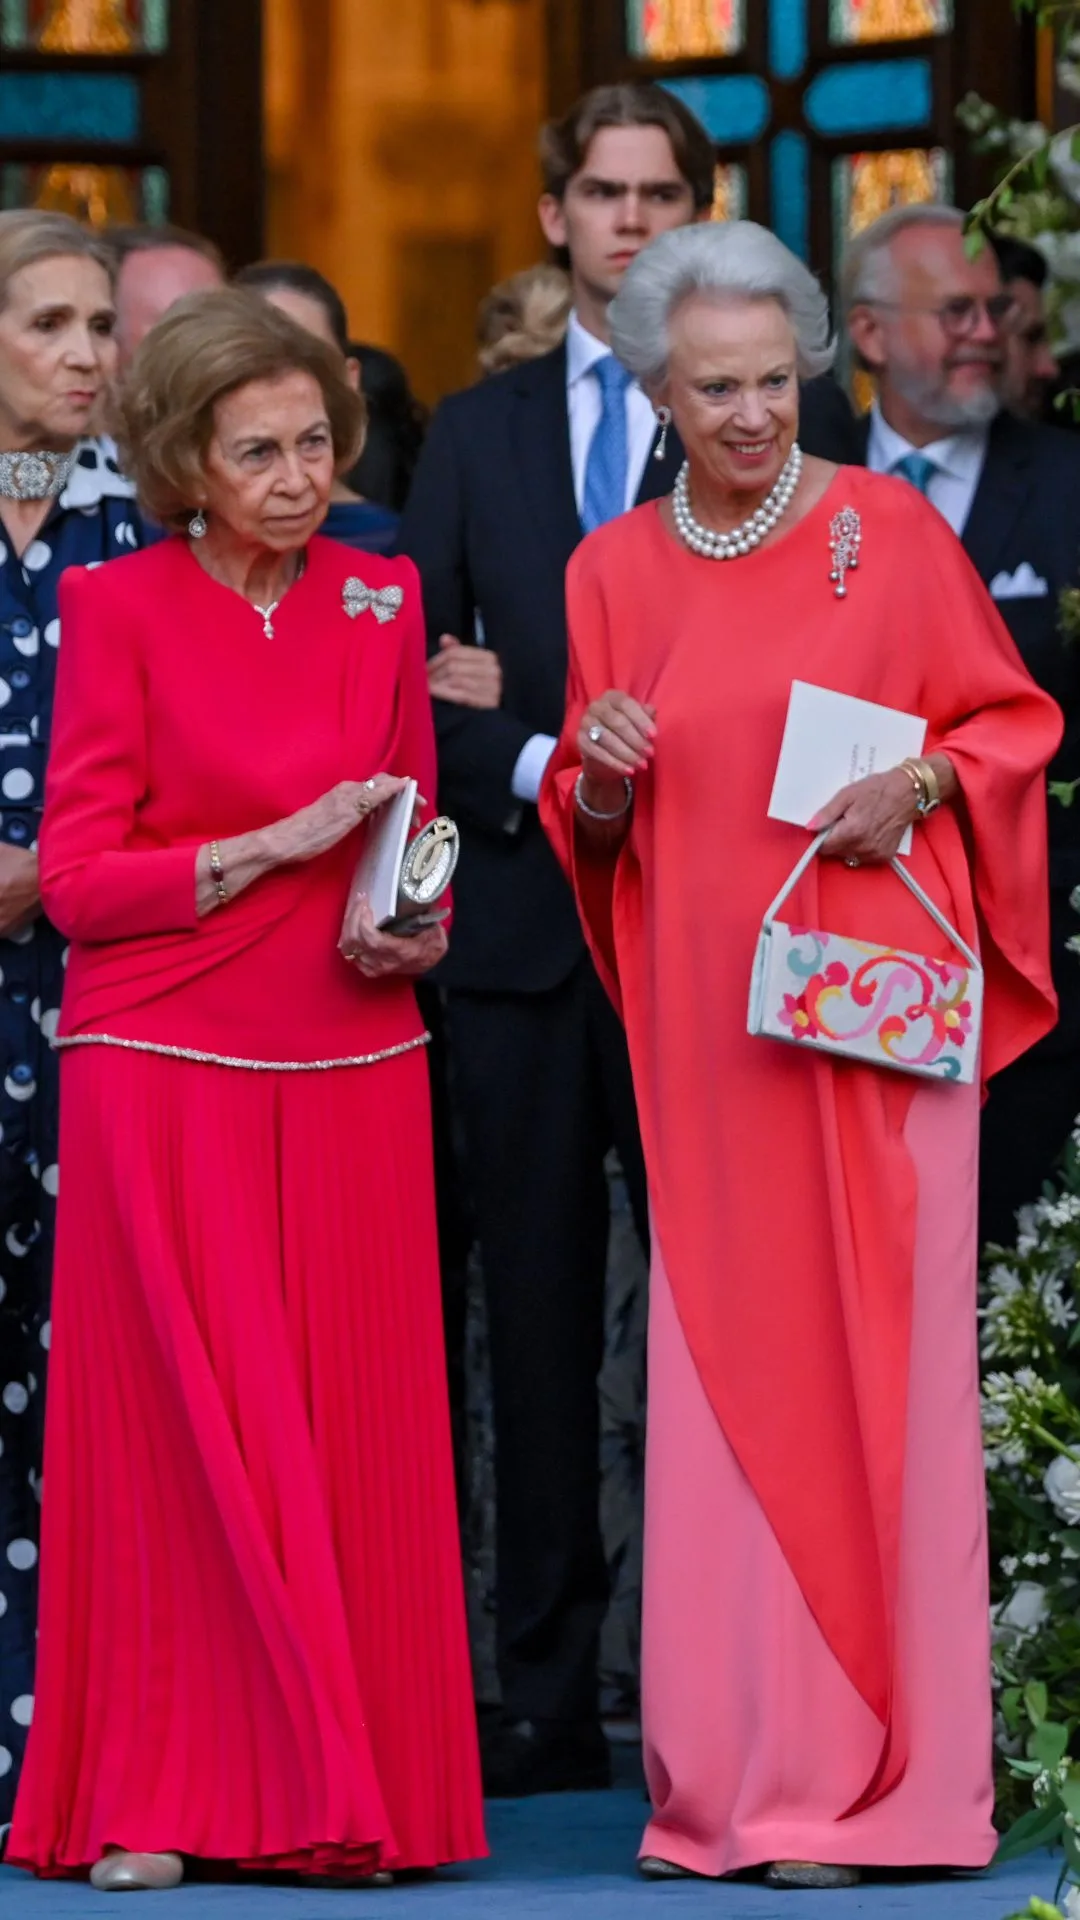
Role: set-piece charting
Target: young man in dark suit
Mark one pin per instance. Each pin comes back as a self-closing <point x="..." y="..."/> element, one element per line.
<point x="932" y="323"/>
<point x="513" y="473"/>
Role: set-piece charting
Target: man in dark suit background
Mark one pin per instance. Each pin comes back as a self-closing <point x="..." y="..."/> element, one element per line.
<point x="932" y="322"/>
<point x="512" y="474"/>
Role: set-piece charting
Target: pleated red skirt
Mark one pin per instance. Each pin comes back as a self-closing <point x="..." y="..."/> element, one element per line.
<point x="252" y="1643"/>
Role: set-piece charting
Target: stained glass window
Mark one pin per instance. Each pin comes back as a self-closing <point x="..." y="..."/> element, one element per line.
<point x="866" y="185"/>
<point x="101" y="195"/>
<point x="730" y="196"/>
<point x="685" y="29"/>
<point x="862" y="22"/>
<point x="816" y="147"/>
<point x="85" y="26"/>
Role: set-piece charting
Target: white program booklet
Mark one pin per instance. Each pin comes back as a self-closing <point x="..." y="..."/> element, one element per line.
<point x="379" y="872"/>
<point x="831" y="739"/>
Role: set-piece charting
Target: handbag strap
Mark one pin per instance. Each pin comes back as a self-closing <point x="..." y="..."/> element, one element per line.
<point x="908" y="879"/>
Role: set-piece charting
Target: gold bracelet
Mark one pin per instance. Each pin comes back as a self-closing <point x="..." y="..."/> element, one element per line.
<point x="217" y="873"/>
<point x="925" y="782"/>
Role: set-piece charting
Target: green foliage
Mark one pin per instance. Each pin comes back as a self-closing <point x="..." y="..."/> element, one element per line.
<point x="1030" y="1343"/>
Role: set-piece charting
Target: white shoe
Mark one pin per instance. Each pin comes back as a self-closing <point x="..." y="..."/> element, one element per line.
<point x="120" y="1872"/>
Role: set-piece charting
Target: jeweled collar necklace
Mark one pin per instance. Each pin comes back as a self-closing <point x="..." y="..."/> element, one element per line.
<point x="35" y="476"/>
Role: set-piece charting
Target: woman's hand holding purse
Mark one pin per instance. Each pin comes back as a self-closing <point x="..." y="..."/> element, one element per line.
<point x="378" y="954"/>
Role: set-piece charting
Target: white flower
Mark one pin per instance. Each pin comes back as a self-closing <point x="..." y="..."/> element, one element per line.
<point x="1066" y="169"/>
<point x="1061" y="1483"/>
<point x="1009" y="1565"/>
<point x="1022" y="1613"/>
<point x="1059" y="1311"/>
<point x="1027" y="1236"/>
<point x="1068" y="66"/>
<point x="1071" y="1908"/>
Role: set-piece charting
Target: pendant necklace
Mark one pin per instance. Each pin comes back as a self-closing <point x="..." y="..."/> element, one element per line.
<point x="266" y="614"/>
<point x="742" y="539"/>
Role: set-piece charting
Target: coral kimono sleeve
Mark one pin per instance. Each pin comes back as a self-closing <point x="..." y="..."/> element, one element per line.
<point x="95" y="885"/>
<point x="591" y="869"/>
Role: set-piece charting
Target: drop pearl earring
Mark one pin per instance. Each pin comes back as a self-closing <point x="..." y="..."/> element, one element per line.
<point x="663" y="414"/>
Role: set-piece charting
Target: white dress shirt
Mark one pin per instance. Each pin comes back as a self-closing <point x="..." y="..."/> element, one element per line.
<point x="584" y="406"/>
<point x="959" y="460"/>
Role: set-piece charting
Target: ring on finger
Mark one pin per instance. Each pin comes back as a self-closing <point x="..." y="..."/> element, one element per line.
<point x="596" y="733"/>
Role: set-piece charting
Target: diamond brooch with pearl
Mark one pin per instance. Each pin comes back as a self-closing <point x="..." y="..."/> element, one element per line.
<point x="738" y="540"/>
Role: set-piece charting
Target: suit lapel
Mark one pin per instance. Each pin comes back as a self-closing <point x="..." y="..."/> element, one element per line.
<point x="1004" y="486"/>
<point x="540" y="439"/>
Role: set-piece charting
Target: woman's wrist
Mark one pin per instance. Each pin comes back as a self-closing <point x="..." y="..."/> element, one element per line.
<point x="945" y="772"/>
<point x="240" y="861"/>
<point x="603" y="799"/>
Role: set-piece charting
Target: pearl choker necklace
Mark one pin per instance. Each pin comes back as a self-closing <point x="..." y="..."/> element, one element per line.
<point x="35" y="476"/>
<point x="739" y="540"/>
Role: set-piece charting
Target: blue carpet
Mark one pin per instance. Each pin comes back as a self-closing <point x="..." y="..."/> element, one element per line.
<point x="566" y="1855"/>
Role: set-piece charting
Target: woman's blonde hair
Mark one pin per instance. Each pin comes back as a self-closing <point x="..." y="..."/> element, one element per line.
<point x="523" y="317"/>
<point x="207" y="346"/>
<point x="28" y="235"/>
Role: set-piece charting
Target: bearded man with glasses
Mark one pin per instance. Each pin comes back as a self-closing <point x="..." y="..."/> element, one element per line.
<point x="928" y="316"/>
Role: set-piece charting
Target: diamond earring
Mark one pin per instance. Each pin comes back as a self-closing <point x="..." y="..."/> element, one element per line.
<point x="663" y="414"/>
<point x="197" y="525"/>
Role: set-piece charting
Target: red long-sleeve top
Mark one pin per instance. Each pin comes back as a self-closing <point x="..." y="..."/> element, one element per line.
<point x="179" y="720"/>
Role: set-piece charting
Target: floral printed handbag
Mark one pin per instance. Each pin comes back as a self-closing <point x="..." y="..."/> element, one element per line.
<point x="861" y="1001"/>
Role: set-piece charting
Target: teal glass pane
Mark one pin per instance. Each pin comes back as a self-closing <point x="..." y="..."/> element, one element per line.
<point x="685" y="29"/>
<point x="789" y="162"/>
<point x="85" y="26"/>
<point x="789" y="38"/>
<point x="69" y="106"/>
<point x="102" y="195"/>
<point x="870" y="96"/>
<point x="734" y="108"/>
<point x="867" y="23"/>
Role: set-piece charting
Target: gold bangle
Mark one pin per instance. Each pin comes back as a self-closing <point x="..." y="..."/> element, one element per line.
<point x="925" y="781"/>
<point x="932" y="783"/>
<point x="217" y="873"/>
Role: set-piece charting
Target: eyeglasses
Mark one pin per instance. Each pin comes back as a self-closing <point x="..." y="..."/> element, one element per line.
<point x="960" y="316"/>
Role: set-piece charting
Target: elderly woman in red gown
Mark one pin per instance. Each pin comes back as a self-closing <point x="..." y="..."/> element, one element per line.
<point x="816" y="1691"/>
<point x="253" y="1641"/>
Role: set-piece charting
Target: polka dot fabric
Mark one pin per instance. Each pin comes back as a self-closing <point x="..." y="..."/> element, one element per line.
<point x="94" y="520"/>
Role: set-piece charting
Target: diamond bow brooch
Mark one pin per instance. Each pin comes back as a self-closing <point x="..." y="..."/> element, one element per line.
<point x="384" y="602"/>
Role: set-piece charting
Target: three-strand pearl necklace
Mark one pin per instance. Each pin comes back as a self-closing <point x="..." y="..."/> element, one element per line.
<point x="739" y="540"/>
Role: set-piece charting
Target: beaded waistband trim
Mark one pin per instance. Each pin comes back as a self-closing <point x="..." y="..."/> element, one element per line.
<point x="231" y="1060"/>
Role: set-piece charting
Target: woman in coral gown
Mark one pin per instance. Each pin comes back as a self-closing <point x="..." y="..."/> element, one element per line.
<point x="816" y="1682"/>
<point x="253" y="1641"/>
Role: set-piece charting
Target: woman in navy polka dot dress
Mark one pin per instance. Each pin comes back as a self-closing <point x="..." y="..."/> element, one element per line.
<point x="62" y="503"/>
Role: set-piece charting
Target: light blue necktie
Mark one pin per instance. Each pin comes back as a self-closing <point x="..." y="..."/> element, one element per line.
<point x="608" y="461"/>
<point x="918" y="469"/>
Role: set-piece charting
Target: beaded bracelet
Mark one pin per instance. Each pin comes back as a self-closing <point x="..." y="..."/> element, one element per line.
<point x="217" y="873"/>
